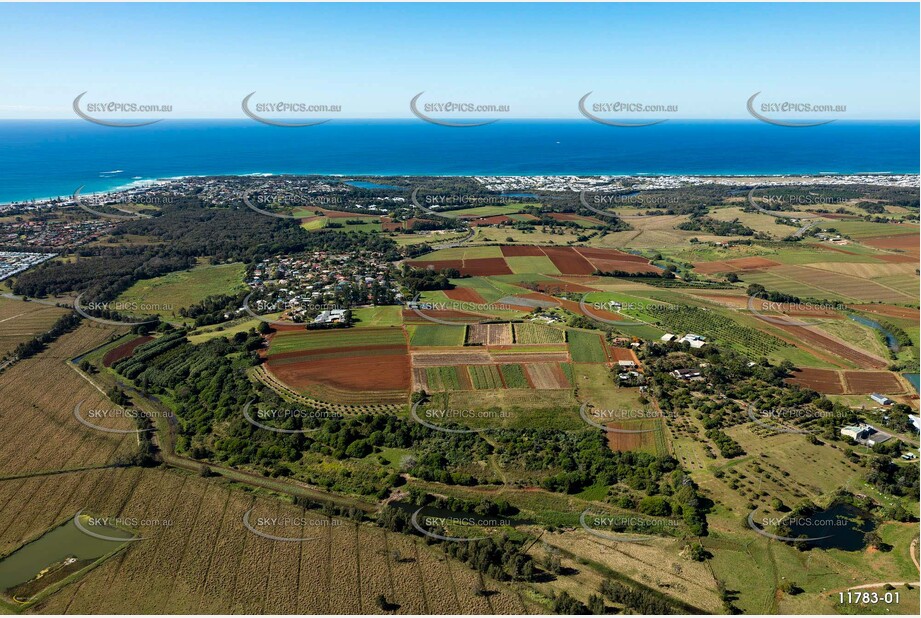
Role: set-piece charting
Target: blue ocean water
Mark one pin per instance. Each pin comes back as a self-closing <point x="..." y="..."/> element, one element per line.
<point x="54" y="157"/>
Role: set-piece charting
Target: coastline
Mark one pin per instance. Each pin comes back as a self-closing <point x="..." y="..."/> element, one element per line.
<point x="522" y="180"/>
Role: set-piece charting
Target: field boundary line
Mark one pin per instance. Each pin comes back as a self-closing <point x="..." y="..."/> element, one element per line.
<point x="27" y="475"/>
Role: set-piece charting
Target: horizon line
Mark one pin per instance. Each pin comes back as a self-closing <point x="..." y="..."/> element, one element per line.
<point x="416" y="120"/>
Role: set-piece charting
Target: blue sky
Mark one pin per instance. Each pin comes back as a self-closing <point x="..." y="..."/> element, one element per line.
<point x="539" y="59"/>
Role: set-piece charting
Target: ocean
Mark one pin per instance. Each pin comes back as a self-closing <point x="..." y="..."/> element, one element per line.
<point x="49" y="158"/>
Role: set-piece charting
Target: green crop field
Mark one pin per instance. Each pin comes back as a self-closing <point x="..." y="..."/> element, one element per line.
<point x="227" y="329"/>
<point x="167" y="294"/>
<point x="463" y="253"/>
<point x="291" y="341"/>
<point x="315" y="224"/>
<point x="634" y="308"/>
<point x="867" y="229"/>
<point x="514" y="376"/>
<point x="366" y="227"/>
<point x="385" y="315"/>
<point x="484" y="377"/>
<point x="529" y="333"/>
<point x="490" y="288"/>
<point x="568" y="372"/>
<point x="443" y="378"/>
<point x="586" y="347"/>
<point x="532" y="264"/>
<point x="436" y="335"/>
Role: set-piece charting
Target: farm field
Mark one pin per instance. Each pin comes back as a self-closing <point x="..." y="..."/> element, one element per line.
<point x="489" y="334"/>
<point x="167" y="294"/>
<point x="385" y="315"/>
<point x="343" y="365"/>
<point x="22" y="320"/>
<point x="523" y="352"/>
<point x="39" y="430"/>
<point x="436" y="335"/>
<point x="586" y="347"/>
<point x="524" y="259"/>
<point x="530" y="333"/>
<point x="197" y="556"/>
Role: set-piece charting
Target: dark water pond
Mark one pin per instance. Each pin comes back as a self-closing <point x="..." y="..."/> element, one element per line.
<point x="843" y="524"/>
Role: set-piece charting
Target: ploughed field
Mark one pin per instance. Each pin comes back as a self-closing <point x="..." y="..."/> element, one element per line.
<point x="517" y="259"/>
<point x="336" y="364"/>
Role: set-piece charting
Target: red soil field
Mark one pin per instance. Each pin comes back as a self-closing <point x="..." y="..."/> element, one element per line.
<point x="835" y="249"/>
<point x="542" y="297"/>
<point x="485" y="266"/>
<point x="569" y="261"/>
<point x="610" y="254"/>
<point x="889" y="310"/>
<point x="867" y="382"/>
<point x="281" y="328"/>
<point x="412" y="221"/>
<point x="555" y="286"/>
<point x="463" y="379"/>
<point x="625" y="441"/>
<point x="825" y="381"/>
<point x="897" y="259"/>
<point x="627" y="267"/>
<point x="722" y="266"/>
<point x="449" y="315"/>
<point x="573" y="306"/>
<point x="521" y="250"/>
<point x="355" y="373"/>
<point x="466" y="295"/>
<point x="905" y="242"/>
<point x="619" y="354"/>
<point x="546" y="376"/>
<point x="836" y="215"/>
<point x="864" y="361"/>
<point x="437" y="264"/>
<point x="371" y="350"/>
<point x="123" y="351"/>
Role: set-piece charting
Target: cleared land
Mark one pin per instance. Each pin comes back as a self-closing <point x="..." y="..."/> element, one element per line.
<point x="489" y="334"/>
<point x="167" y="294"/>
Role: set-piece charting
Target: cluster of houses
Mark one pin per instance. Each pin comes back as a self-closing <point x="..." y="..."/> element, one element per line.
<point x="15" y="262"/>
<point x="321" y="285"/>
<point x="652" y="183"/>
<point x="52" y="234"/>
<point x="695" y="341"/>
